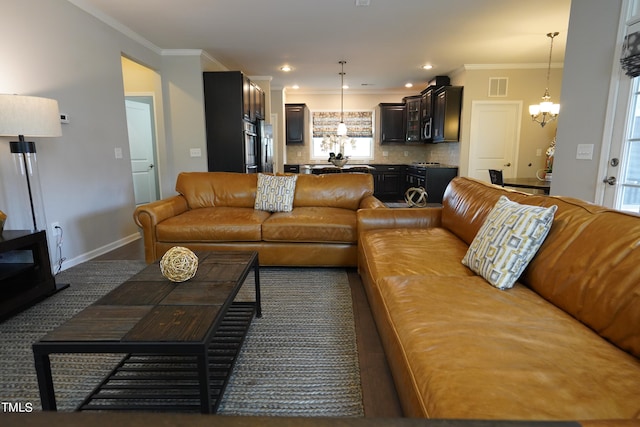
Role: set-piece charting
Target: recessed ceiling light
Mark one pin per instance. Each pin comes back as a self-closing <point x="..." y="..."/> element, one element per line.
<point x="427" y="67"/>
<point x="295" y="87"/>
<point x="345" y="86"/>
<point x="408" y="85"/>
<point x="285" y="68"/>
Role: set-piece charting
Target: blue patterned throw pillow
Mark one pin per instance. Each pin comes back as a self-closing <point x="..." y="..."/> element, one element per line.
<point x="507" y="241"/>
<point x="275" y="193"/>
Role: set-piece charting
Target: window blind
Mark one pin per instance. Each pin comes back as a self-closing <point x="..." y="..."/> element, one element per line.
<point x="359" y="123"/>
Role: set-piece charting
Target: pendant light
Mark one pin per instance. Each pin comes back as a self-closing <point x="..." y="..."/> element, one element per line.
<point x="342" y="128"/>
<point x="546" y="111"/>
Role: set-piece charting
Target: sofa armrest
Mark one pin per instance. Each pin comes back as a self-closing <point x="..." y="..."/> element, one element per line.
<point x="371" y="219"/>
<point x="150" y="215"/>
<point x="371" y="202"/>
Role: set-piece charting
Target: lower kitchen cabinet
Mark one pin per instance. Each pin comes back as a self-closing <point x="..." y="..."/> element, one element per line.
<point x="388" y="181"/>
<point x="432" y="179"/>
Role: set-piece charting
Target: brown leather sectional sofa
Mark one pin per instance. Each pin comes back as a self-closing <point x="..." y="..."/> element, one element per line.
<point x="215" y="210"/>
<point x="562" y="344"/>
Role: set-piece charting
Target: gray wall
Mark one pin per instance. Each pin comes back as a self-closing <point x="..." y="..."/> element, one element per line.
<point x="591" y="44"/>
<point x="64" y="53"/>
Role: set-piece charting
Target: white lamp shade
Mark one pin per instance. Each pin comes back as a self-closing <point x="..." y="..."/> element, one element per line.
<point x="555" y="109"/>
<point x="534" y="109"/>
<point x="342" y="129"/>
<point x="29" y="116"/>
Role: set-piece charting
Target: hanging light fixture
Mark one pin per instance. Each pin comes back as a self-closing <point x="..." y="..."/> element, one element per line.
<point x="546" y="111"/>
<point x="342" y="128"/>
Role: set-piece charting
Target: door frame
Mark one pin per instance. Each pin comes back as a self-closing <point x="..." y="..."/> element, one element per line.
<point x="143" y="97"/>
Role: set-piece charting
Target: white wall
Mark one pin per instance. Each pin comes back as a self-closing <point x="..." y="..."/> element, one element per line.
<point x="591" y="45"/>
<point x="64" y="53"/>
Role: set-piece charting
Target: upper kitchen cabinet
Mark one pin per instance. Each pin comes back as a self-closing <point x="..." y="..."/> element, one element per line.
<point x="413" y="116"/>
<point x="257" y="106"/>
<point x="392" y="123"/>
<point x="295" y="119"/>
<point x="447" y="103"/>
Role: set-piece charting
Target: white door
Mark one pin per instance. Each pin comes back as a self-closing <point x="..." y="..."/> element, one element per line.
<point x="494" y="138"/>
<point x="621" y="177"/>
<point x="141" y="128"/>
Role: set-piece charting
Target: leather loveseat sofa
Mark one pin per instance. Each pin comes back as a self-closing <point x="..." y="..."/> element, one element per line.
<point x="216" y="210"/>
<point x="562" y="344"/>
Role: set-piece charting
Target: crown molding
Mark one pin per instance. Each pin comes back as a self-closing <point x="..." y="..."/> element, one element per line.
<point x="116" y="25"/>
<point x="262" y="78"/>
<point x="524" y="66"/>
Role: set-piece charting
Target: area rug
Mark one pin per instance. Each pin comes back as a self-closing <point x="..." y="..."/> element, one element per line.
<point x="299" y="359"/>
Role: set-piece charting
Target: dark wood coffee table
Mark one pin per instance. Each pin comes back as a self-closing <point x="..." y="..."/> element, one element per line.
<point x="180" y="340"/>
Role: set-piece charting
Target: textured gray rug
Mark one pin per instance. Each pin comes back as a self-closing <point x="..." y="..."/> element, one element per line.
<point x="300" y="358"/>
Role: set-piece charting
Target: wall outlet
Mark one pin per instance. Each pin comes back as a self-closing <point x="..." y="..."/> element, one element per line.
<point x="55" y="229"/>
<point x="117" y="152"/>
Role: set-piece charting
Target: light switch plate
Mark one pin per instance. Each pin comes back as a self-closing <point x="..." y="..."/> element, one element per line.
<point x="584" y="152"/>
<point x="195" y="152"/>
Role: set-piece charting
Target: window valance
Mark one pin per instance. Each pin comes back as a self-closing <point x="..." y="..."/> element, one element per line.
<point x="630" y="59"/>
<point x="359" y="123"/>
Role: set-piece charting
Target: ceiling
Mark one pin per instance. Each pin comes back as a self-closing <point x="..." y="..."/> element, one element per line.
<point x="384" y="44"/>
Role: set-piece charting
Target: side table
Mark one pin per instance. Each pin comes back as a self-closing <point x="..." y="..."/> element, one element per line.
<point x="25" y="271"/>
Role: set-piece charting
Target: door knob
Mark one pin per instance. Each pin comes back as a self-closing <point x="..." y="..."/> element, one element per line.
<point x="508" y="164"/>
<point x="151" y="166"/>
<point x="611" y="180"/>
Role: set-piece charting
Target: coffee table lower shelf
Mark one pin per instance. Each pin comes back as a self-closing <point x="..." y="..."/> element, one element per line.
<point x="167" y="383"/>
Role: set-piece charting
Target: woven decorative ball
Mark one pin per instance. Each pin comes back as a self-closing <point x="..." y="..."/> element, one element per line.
<point x="179" y="264"/>
<point x="416" y="196"/>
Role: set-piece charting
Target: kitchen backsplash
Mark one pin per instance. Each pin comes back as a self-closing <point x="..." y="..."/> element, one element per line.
<point x="446" y="153"/>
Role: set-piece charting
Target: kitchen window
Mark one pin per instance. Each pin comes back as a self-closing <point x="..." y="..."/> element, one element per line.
<point x="358" y="144"/>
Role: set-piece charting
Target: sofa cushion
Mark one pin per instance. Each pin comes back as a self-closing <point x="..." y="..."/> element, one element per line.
<point x="473" y="351"/>
<point x="213" y="224"/>
<point x="275" y="193"/>
<point x="509" y="238"/>
<point x="425" y="251"/>
<point x="208" y="189"/>
<point x="333" y="190"/>
<point x="311" y="224"/>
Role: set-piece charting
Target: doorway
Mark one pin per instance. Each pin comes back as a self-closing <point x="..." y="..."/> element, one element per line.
<point x="142" y="147"/>
<point x="494" y="138"/>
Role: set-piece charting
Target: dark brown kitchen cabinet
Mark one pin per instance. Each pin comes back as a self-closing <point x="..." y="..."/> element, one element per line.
<point x="295" y="117"/>
<point x="446" y="114"/>
<point x="230" y="134"/>
<point x="257" y="102"/>
<point x="434" y="179"/>
<point x="392" y="123"/>
<point x="426" y="114"/>
<point x="413" y="116"/>
<point x="388" y="181"/>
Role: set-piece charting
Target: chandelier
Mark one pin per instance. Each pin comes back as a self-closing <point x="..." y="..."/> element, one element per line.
<point x="546" y="111"/>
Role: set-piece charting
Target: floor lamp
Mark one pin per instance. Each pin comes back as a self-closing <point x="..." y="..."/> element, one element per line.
<point x="32" y="117"/>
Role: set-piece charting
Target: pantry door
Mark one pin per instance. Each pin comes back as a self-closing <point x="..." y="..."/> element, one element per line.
<point x="494" y="138"/>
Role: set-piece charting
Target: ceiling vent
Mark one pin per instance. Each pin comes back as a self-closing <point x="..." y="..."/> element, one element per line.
<point x="363" y="2"/>
<point x="498" y="87"/>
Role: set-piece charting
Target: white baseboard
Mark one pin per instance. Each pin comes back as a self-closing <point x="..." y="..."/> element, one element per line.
<point x="99" y="251"/>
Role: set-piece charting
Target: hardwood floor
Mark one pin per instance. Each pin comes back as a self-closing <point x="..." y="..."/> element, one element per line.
<point x="378" y="391"/>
